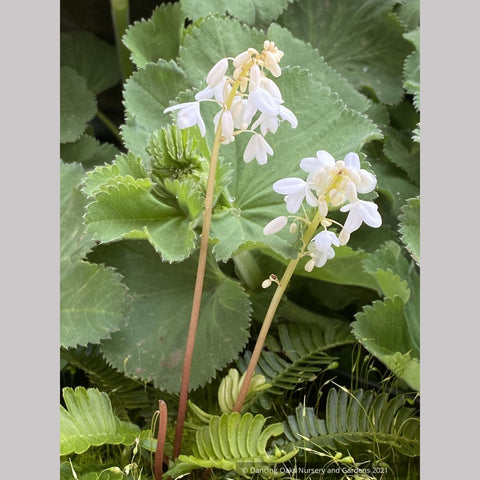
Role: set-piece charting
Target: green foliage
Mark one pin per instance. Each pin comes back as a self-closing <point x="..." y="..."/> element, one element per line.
<point x="93" y="59"/>
<point x="359" y="417"/>
<point x="93" y="300"/>
<point x="88" y="421"/>
<point x="88" y="151"/>
<point x="411" y="69"/>
<point x="233" y="442"/>
<point x="151" y="345"/>
<point x="303" y="352"/>
<point x="362" y="41"/>
<point x="410" y="227"/>
<point x="77" y="105"/>
<point x="155" y="38"/>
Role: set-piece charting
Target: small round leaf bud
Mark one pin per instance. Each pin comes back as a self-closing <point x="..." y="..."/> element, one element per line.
<point x="266" y="283"/>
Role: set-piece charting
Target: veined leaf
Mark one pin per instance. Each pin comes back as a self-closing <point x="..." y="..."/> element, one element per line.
<point x="409" y="13"/>
<point x="361" y="417"/>
<point x="125" y="208"/>
<point x="233" y="442"/>
<point x="152" y="345"/>
<point x="93" y="301"/>
<point x="411" y="68"/>
<point x="410" y="227"/>
<point x="95" y="60"/>
<point x="362" y="41"/>
<point x="158" y="37"/>
<point x="253" y="12"/>
<point x="78" y="105"/>
<point x="89" y="421"/>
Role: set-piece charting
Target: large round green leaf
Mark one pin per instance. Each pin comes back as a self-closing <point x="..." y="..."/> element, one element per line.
<point x="152" y="345"/>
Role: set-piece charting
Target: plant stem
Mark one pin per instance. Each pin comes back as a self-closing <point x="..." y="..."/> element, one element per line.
<point x="197" y="294"/>
<point x="202" y="262"/>
<point x="109" y="124"/>
<point x="121" y="20"/>
<point x="162" y="432"/>
<point x="272" y="308"/>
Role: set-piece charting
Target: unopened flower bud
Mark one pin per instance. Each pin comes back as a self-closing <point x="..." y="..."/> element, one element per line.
<point x="215" y="75"/>
<point x="322" y="207"/>
<point x="266" y="283"/>
<point x="293" y="228"/>
<point x="275" y="225"/>
<point x="344" y="237"/>
<point x="309" y="265"/>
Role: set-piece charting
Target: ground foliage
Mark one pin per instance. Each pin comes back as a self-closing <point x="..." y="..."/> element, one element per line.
<point x="341" y="362"/>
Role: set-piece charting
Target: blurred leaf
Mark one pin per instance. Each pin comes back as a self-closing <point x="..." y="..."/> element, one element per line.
<point x="409" y="13"/>
<point x="77" y="105"/>
<point x="361" y="40"/>
<point x="93" y="59"/>
<point x="88" y="151"/>
<point x="411" y="69"/>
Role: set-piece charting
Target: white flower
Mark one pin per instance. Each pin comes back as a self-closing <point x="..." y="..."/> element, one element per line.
<point x="295" y="190"/>
<point x="258" y="148"/>
<point x="320" y="249"/>
<point x="361" y="211"/>
<point x="220" y="91"/>
<point x="227" y="124"/>
<point x="269" y="123"/>
<point x="275" y="225"/>
<point x="188" y="115"/>
<point x="366" y="182"/>
<point x="315" y="164"/>
<point x="261" y="99"/>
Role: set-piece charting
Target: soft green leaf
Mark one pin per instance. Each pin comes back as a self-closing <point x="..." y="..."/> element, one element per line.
<point x="88" y="151"/>
<point x="399" y="148"/>
<point x="95" y="60"/>
<point x="150" y="90"/>
<point x="411" y="77"/>
<point x="93" y="301"/>
<point x="361" y="40"/>
<point x="152" y="345"/>
<point x="70" y="177"/>
<point x="77" y="105"/>
<point x="158" y="37"/>
<point x="410" y="227"/>
<point x="382" y="329"/>
<point x="409" y="13"/>
<point x="299" y="53"/>
<point x="88" y="420"/>
<point x="125" y="208"/>
<point x="253" y="12"/>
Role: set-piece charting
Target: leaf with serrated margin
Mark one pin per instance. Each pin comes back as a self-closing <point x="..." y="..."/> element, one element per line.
<point x="158" y="37"/>
<point x="410" y="227"/>
<point x="78" y="105"/>
<point x="399" y="148"/>
<point x="150" y="90"/>
<point x="411" y="69"/>
<point x="92" y="58"/>
<point x="93" y="301"/>
<point x="382" y="330"/>
<point x="125" y="164"/>
<point x="299" y="53"/>
<point x="361" y="40"/>
<point x="88" y="151"/>
<point x="152" y="345"/>
<point x="253" y="12"/>
<point x="125" y="208"/>
<point x="89" y="421"/>
<point x="409" y="13"/>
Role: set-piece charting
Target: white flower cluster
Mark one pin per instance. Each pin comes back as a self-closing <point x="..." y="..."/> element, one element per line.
<point x="329" y="183"/>
<point x="239" y="107"/>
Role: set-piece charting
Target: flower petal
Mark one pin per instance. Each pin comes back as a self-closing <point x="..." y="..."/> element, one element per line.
<point x="352" y="161"/>
<point x="289" y="185"/>
<point x="275" y="225"/>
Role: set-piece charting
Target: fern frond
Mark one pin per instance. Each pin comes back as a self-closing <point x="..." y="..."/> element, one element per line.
<point x="363" y="417"/>
<point x="305" y="351"/>
<point x="233" y="442"/>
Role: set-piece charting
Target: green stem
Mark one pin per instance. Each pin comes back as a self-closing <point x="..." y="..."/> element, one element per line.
<point x="121" y="20"/>
<point x="109" y="124"/>
<point x="282" y="285"/>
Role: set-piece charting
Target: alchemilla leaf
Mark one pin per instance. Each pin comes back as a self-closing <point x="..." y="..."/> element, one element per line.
<point x="78" y="105"/>
<point x="152" y="345"/>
